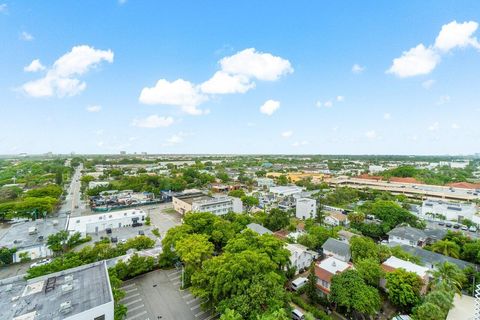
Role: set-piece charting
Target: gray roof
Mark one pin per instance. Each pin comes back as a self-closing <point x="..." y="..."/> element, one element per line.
<point x="258" y="228"/>
<point x="407" y="232"/>
<point x="44" y="295"/>
<point x="337" y="247"/>
<point x="430" y="258"/>
<point x="435" y="234"/>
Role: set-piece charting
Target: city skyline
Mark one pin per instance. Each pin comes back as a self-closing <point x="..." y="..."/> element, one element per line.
<point x="310" y="78"/>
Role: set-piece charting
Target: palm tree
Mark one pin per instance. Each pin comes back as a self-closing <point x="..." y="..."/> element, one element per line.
<point x="447" y="275"/>
<point x="447" y="248"/>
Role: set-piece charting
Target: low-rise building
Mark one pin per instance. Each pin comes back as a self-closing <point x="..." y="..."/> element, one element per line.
<point x="199" y="202"/>
<point x="265" y="182"/>
<point x="300" y="256"/>
<point x="326" y="269"/>
<point x="285" y="191"/>
<point x="100" y="222"/>
<point x="73" y="294"/>
<point x="337" y="249"/>
<point x="95" y="184"/>
<point x="258" y="228"/>
<point x="450" y="210"/>
<point x="305" y="208"/>
<point x="393" y="263"/>
<point x="407" y="235"/>
<point x="336" y="219"/>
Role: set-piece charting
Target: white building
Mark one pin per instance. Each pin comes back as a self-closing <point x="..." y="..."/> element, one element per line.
<point x="393" y="263"/>
<point x="374" y="169"/>
<point x="198" y="202"/>
<point x="73" y="294"/>
<point x="305" y="208"/>
<point x="99" y="222"/>
<point x="265" y="182"/>
<point x="300" y="256"/>
<point x="285" y="191"/>
<point x="94" y="184"/>
<point x="451" y="210"/>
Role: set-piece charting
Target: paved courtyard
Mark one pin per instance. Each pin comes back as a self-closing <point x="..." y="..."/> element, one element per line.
<point x="157" y="295"/>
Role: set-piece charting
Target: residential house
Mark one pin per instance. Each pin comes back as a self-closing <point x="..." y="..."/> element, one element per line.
<point x="337" y="249"/>
<point x="336" y="219"/>
<point x="300" y="256"/>
<point x="258" y="228"/>
<point x="305" y="208"/>
<point x="414" y="237"/>
<point x="345" y="235"/>
<point x="326" y="269"/>
<point x="393" y="263"/>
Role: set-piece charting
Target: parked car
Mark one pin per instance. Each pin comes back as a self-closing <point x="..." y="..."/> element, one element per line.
<point x="137" y="224"/>
<point x="108" y="230"/>
<point x="456" y="226"/>
<point x="123" y="241"/>
<point x="141" y="232"/>
<point x="114" y="239"/>
<point x="297" y="315"/>
<point x="441" y="223"/>
<point x="298" y="283"/>
<point x="40" y="263"/>
<point x="464" y="228"/>
<point x="472" y="229"/>
<point x="448" y="225"/>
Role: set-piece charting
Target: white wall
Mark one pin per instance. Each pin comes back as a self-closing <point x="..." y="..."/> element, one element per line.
<point x="305" y="208"/>
<point x="104" y="309"/>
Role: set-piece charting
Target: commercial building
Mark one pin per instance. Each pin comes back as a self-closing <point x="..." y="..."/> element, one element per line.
<point x="95" y="184"/>
<point x="326" y="269"/>
<point x="100" y="222"/>
<point x="305" y="208"/>
<point x="285" y="191"/>
<point x="75" y="294"/>
<point x="300" y="256"/>
<point x="265" y="182"/>
<point x="450" y="210"/>
<point x="199" y="202"/>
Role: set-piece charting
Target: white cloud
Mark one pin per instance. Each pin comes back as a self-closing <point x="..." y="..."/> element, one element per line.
<point x="340" y="98"/>
<point x="287" y="134"/>
<point x="416" y="61"/>
<point x="456" y="34"/>
<point x="269" y="107"/>
<point x="94" y="108"/>
<point x="434" y="126"/>
<point x="328" y="104"/>
<point x="443" y="99"/>
<point x="61" y="80"/>
<point x="180" y="93"/>
<point x="153" y="121"/>
<point x="3" y="7"/>
<point x="387" y="116"/>
<point x="175" y="139"/>
<point x="455" y="126"/>
<point x="371" y="134"/>
<point x="356" y="68"/>
<point x="251" y="63"/>
<point x="318" y="104"/>
<point x="25" y="36"/>
<point x="222" y="83"/>
<point x="300" y="143"/>
<point x="34" y="66"/>
<point x="428" y="83"/>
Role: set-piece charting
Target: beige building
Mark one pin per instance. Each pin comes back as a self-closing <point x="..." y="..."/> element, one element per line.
<point x="200" y="202"/>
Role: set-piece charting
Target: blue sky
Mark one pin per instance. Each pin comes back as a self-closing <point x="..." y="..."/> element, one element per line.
<point x="336" y="77"/>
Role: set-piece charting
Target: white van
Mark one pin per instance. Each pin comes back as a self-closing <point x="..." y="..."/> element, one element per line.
<point x="298" y="283"/>
<point x="32" y="230"/>
<point x="297" y="315"/>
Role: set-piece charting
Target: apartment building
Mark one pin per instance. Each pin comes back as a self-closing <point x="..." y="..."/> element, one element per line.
<point x="305" y="208"/>
<point x="199" y="202"/>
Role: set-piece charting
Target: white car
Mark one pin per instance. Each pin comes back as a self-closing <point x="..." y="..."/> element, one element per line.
<point x="40" y="263"/>
<point x="472" y="229"/>
<point x="123" y="241"/>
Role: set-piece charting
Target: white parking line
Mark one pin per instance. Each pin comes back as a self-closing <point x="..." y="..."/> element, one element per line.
<point x="211" y="317"/>
<point x="132" y="302"/>
<point x="176" y="283"/>
<point x="130" y="296"/>
<point x="128" y="286"/>
<point x="192" y="301"/>
<point x="187" y="296"/>
<point x="199" y="314"/>
<point x="131" y="290"/>
<point x="135" y="308"/>
<point x="176" y="278"/>
<point x="196" y="307"/>
<point x="174" y="273"/>
<point x="137" y="315"/>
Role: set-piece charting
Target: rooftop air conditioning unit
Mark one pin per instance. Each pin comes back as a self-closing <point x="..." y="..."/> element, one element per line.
<point x="68" y="278"/>
<point x="66" y="307"/>
<point x="67" y="287"/>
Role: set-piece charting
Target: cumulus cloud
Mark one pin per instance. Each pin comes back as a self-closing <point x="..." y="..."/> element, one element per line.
<point x="223" y="83"/>
<point x="180" y="93"/>
<point x="25" y="36"/>
<point x="153" y="121"/>
<point x="434" y="126"/>
<point x="287" y="134"/>
<point x="3" y="8"/>
<point x="175" y="139"/>
<point x="269" y="107"/>
<point x="34" y="66"/>
<point x="454" y="34"/>
<point x="371" y="134"/>
<point x="94" y="108"/>
<point x="422" y="60"/>
<point x="356" y="68"/>
<point x="416" y="61"/>
<point x="251" y="63"/>
<point x="61" y="78"/>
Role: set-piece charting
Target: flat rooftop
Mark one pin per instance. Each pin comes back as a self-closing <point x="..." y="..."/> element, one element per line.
<point x="40" y="298"/>
<point x="80" y="223"/>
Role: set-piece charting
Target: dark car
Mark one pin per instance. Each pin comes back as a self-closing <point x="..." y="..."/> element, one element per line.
<point x="40" y="238"/>
<point x="108" y="230"/>
<point x="114" y="239"/>
<point x="141" y="232"/>
<point x="456" y="226"/>
<point x="441" y="223"/>
<point x="448" y="225"/>
<point x="137" y="224"/>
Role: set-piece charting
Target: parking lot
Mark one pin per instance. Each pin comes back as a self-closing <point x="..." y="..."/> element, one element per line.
<point x="157" y="295"/>
<point x="435" y="225"/>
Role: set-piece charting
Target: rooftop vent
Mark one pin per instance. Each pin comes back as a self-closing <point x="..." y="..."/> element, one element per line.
<point x="68" y="278"/>
<point x="66" y="307"/>
<point x="67" y="287"/>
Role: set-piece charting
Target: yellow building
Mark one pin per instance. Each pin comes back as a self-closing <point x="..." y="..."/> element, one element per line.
<point x="297" y="176"/>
